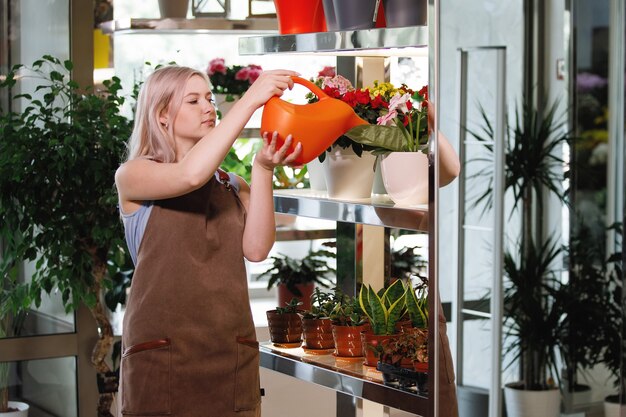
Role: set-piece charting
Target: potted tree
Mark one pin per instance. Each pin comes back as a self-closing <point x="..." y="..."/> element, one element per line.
<point x="57" y="201"/>
<point x="298" y="277"/>
<point x="12" y="312"/>
<point x="532" y="165"/>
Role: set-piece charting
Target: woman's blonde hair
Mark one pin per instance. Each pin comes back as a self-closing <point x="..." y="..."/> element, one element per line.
<point x="162" y="91"/>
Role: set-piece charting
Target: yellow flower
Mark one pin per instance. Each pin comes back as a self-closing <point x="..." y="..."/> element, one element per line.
<point x="387" y="90"/>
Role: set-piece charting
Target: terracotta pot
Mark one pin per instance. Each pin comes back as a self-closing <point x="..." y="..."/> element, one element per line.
<point x="420" y="366"/>
<point x="370" y="342"/>
<point x="302" y="16"/>
<point x="318" y="334"/>
<point x="284" y="328"/>
<point x="348" y="342"/>
<point x="285" y="296"/>
<point x="405" y="175"/>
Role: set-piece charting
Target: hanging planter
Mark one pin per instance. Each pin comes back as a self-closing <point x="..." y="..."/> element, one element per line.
<point x="400" y="13"/>
<point x="173" y="8"/>
<point x="302" y="16"/>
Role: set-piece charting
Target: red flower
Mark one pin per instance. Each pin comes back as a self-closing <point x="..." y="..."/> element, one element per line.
<point x="350" y="98"/>
<point x="424" y="92"/>
<point x="362" y="96"/>
<point x="332" y="92"/>
<point x="242" y="74"/>
<point x="327" y="71"/>
<point x="379" y="102"/>
<point x="216" y="65"/>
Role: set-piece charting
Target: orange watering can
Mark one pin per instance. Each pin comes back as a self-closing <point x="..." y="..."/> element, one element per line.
<point x="316" y="126"/>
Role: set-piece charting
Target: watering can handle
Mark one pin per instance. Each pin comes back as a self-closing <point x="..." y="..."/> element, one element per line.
<point x="311" y="86"/>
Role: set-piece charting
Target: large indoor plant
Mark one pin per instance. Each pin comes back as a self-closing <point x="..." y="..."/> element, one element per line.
<point x="296" y="278"/>
<point x="533" y="164"/>
<point x="58" y="204"/>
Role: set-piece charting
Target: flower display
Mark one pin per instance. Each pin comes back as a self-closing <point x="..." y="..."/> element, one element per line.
<point x="232" y="81"/>
<point x="398" y="117"/>
<point x="401" y="127"/>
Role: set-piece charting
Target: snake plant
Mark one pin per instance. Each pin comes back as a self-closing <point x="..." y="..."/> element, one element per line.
<point x="383" y="310"/>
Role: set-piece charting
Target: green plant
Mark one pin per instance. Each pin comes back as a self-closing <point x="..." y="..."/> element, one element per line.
<point x="232" y="81"/>
<point x="408" y="262"/>
<point x="532" y="165"/>
<point x="58" y="204"/>
<point x="403" y="127"/>
<point x="347" y="310"/>
<point x="411" y="345"/>
<point x="322" y="304"/>
<point x="291" y="307"/>
<point x="417" y="306"/>
<point x="533" y="312"/>
<point x="291" y="272"/>
<point x="383" y="310"/>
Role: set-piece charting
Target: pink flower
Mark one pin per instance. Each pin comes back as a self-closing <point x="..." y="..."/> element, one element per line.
<point x="340" y="83"/>
<point x="243" y="74"/>
<point x="399" y="102"/>
<point x="254" y="72"/>
<point x="327" y="71"/>
<point x="216" y="65"/>
<point x="387" y="119"/>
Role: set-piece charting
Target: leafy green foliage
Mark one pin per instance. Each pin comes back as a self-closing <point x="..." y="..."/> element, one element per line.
<point x="290" y="271"/>
<point x="322" y="305"/>
<point x="291" y="307"/>
<point x="385" y="309"/>
<point x="347" y="310"/>
<point x="58" y="203"/>
<point x="532" y="158"/>
<point x="533" y="311"/>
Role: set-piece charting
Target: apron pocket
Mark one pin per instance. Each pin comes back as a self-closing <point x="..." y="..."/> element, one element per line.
<point x="247" y="382"/>
<point x="146" y="379"/>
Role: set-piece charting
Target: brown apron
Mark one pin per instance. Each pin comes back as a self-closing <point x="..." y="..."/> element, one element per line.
<point x="190" y="347"/>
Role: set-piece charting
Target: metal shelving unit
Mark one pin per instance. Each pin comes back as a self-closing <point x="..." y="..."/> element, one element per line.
<point x="354" y="380"/>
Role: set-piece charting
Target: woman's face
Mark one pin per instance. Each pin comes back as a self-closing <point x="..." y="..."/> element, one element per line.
<point x="196" y="116"/>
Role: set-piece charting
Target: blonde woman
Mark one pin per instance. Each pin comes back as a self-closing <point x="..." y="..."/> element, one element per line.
<point x="189" y="344"/>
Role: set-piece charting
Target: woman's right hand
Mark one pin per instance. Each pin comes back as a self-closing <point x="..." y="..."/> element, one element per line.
<point x="269" y="84"/>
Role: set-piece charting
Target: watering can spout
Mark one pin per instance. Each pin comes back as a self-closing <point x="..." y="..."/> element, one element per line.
<point x="316" y="126"/>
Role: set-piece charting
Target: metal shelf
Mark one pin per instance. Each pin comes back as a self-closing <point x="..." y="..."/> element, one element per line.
<point x="378" y="210"/>
<point x="348" y="376"/>
<point x="199" y="25"/>
<point x="354" y="41"/>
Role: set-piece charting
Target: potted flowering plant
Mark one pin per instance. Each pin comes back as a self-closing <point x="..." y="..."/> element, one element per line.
<point x="402" y="125"/>
<point x="230" y="83"/>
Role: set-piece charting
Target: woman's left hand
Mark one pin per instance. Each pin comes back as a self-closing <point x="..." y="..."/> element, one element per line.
<point x="269" y="157"/>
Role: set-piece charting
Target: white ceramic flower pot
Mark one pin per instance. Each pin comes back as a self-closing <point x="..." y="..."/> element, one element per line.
<point x="22" y="410"/>
<point x="405" y="176"/>
<point x="315" y="168"/>
<point x="614" y="409"/>
<point x="349" y="176"/>
<point x="522" y="403"/>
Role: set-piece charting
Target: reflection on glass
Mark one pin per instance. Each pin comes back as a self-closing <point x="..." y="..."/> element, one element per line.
<point x="47" y="386"/>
